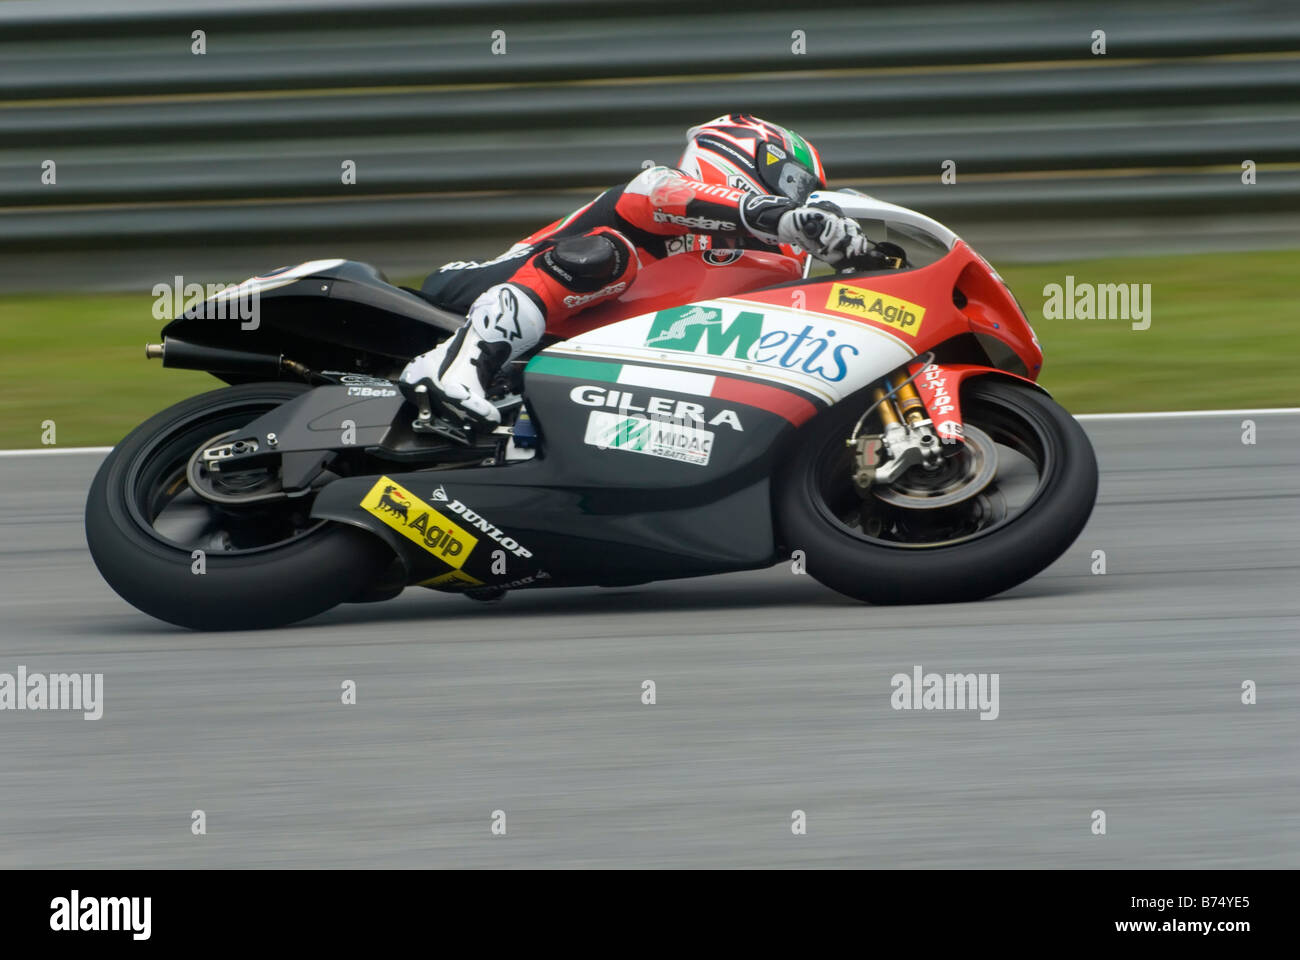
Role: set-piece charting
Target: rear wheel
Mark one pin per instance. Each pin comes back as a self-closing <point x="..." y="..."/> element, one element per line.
<point x="1008" y="503"/>
<point x="261" y="561"/>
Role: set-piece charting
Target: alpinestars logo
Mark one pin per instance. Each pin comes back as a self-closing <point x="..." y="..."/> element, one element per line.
<point x="578" y="299"/>
<point x="506" y="321"/>
<point x="700" y="223"/>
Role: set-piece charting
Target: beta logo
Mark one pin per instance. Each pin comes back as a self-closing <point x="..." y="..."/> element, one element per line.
<point x="900" y="314"/>
<point x="370" y="392"/>
<point x="417" y="521"/>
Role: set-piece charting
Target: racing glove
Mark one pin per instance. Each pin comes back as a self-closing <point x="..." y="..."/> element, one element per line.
<point x="823" y="230"/>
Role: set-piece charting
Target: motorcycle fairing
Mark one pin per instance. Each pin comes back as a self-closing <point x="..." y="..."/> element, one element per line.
<point x="309" y="311"/>
<point x="658" y="433"/>
<point x="588" y="509"/>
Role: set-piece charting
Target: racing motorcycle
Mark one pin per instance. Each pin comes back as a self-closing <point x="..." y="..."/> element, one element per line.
<point x="883" y="427"/>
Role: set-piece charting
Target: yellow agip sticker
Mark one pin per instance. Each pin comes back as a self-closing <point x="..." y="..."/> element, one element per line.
<point x="417" y="521"/>
<point x="881" y="307"/>
<point x="452" y="578"/>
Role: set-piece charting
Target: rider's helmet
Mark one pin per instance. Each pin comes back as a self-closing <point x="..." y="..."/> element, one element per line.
<point x="739" y="150"/>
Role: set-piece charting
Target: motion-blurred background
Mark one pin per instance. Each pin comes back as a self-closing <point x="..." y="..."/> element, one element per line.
<point x="471" y="124"/>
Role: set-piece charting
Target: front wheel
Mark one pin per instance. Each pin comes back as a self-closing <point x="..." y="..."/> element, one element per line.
<point x="1007" y="505"/>
<point x="235" y="559"/>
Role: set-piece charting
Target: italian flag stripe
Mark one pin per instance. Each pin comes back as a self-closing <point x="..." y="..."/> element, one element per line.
<point x="787" y="405"/>
<point x="801" y="151"/>
<point x="679" y="381"/>
<point x="577" y="369"/>
<point x="783" y="403"/>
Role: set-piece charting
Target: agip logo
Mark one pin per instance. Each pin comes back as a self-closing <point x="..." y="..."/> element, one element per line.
<point x="417" y="521"/>
<point x="900" y="314"/>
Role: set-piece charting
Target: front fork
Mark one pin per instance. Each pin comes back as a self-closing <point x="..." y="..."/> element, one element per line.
<point x="908" y="438"/>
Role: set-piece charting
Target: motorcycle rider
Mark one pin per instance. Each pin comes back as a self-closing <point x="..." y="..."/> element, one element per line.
<point x="741" y="182"/>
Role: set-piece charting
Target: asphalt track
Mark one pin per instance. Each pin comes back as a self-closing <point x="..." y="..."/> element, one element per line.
<point x="1118" y="692"/>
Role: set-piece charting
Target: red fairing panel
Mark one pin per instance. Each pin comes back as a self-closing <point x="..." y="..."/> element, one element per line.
<point x="940" y="388"/>
<point x="683" y="278"/>
<point x="917" y="306"/>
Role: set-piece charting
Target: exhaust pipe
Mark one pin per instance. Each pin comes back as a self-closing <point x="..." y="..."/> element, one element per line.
<point x="183" y="355"/>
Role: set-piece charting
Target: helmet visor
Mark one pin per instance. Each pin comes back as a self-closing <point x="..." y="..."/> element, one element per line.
<point x="788" y="178"/>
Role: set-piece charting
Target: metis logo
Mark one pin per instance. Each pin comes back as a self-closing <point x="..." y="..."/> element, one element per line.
<point x="695" y="328"/>
<point x="687" y="328"/>
<point x="417" y="521"/>
<point x="900" y="314"/>
<point x="76" y="913"/>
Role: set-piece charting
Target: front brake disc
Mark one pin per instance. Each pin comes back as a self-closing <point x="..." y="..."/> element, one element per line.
<point x="955" y="480"/>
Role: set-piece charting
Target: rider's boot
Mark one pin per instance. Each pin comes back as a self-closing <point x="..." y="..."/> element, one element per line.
<point x="505" y="322"/>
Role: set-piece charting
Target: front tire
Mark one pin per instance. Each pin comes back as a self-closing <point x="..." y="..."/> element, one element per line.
<point x="881" y="554"/>
<point x="261" y="566"/>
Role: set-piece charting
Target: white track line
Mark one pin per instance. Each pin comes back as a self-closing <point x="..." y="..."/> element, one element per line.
<point x="1170" y="414"/>
<point x="39" y="450"/>
<point x="1158" y="415"/>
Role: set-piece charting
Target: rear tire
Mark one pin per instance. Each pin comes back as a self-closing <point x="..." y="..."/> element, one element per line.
<point x="867" y="568"/>
<point x="266" y="585"/>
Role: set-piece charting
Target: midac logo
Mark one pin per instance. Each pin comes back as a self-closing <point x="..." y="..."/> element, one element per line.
<point x="683" y="328"/>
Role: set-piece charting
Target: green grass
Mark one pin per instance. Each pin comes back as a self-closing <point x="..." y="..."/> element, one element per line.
<point x="1224" y="331"/>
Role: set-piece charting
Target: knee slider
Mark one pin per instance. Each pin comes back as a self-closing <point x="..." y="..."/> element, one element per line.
<point x="585" y="264"/>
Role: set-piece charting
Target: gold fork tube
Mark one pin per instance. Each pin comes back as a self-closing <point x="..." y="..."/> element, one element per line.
<point x="909" y="401"/>
<point x="888" y="415"/>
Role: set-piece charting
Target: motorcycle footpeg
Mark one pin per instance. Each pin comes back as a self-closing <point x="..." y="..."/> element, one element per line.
<point x="437" y="426"/>
<point x="435" y="416"/>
